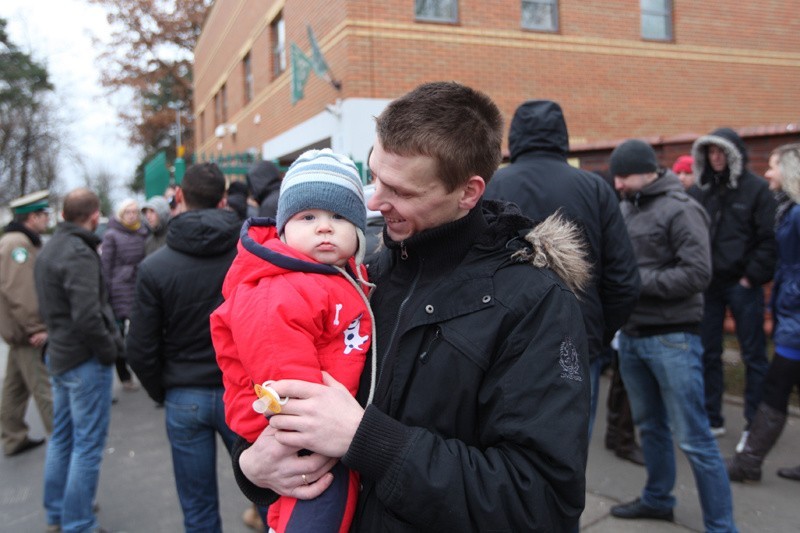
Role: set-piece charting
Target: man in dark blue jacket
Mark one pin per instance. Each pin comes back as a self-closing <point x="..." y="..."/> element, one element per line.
<point x="540" y="181"/>
<point x="169" y="342"/>
<point x="743" y="255"/>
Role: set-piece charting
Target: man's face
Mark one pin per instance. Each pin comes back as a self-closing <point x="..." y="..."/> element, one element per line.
<point x="717" y="158"/>
<point x="629" y="185"/>
<point x="37" y="221"/>
<point x="687" y="179"/>
<point x="773" y="174"/>
<point x="327" y="237"/>
<point x="151" y="216"/>
<point x="410" y="195"/>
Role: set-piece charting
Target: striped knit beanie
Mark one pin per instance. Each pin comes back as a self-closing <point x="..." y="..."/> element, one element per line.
<point x="321" y="179"/>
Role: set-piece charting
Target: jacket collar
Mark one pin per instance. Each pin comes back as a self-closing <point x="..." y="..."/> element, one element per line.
<point x="16" y="226"/>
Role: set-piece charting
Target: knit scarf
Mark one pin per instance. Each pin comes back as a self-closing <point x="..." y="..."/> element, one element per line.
<point x="133" y="227"/>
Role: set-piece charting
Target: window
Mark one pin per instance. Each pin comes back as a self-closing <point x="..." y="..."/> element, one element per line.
<point x="657" y="19"/>
<point x="248" y="79"/>
<point x="540" y="15"/>
<point x="436" y="10"/>
<point x="202" y="128"/>
<point x="218" y="109"/>
<point x="278" y="30"/>
<point x="221" y="106"/>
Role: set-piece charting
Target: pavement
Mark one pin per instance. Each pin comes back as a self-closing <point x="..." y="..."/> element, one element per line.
<point x="137" y="490"/>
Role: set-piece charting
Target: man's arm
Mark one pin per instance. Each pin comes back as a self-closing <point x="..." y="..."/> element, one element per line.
<point x="762" y="256"/>
<point x="144" y="343"/>
<point x="690" y="270"/>
<point x="18" y="287"/>
<point x="528" y="473"/>
<point x="81" y="280"/>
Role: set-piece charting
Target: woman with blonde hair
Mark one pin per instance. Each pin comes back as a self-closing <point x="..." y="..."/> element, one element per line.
<point x="784" y="370"/>
<point x="122" y="250"/>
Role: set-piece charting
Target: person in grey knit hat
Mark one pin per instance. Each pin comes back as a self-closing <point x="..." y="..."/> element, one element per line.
<point x="296" y="306"/>
<point x="156" y="213"/>
<point x="321" y="179"/>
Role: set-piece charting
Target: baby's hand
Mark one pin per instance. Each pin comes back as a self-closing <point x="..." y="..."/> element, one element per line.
<point x="268" y="402"/>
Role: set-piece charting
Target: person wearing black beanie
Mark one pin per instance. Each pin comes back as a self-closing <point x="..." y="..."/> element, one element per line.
<point x="659" y="347"/>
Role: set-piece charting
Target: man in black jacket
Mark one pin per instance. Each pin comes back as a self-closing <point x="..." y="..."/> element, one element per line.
<point x="540" y="181"/>
<point x="169" y="342"/>
<point x="481" y="399"/>
<point x="83" y="343"/>
<point x="743" y="255"/>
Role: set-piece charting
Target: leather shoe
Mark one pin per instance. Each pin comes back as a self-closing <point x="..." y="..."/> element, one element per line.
<point x="635" y="455"/>
<point x="27" y="444"/>
<point x="636" y="509"/>
<point x="790" y="473"/>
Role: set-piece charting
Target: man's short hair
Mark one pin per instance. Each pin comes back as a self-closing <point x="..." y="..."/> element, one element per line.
<point x="459" y="127"/>
<point x="203" y="186"/>
<point x="79" y="205"/>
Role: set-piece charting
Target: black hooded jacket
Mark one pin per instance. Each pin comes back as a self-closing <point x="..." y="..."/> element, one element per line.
<point x="540" y="181"/>
<point x="177" y="288"/>
<point x="742" y="211"/>
<point x="264" y="184"/>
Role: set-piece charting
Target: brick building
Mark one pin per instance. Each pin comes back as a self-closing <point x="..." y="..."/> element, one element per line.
<point x="664" y="70"/>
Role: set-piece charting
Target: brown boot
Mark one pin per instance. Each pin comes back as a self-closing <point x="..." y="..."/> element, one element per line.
<point x="764" y="431"/>
<point x="790" y="473"/>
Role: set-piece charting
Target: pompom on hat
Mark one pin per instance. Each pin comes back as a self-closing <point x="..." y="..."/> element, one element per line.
<point x="321" y="179"/>
<point x="634" y="156"/>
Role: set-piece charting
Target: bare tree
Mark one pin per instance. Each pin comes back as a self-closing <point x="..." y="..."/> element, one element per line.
<point x="151" y="50"/>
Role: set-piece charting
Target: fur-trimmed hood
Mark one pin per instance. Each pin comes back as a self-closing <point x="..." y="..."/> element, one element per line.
<point x="735" y="153"/>
<point x="555" y="242"/>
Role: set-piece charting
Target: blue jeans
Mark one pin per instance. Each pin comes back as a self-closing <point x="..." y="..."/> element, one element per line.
<point x="81" y="413"/>
<point x="664" y="378"/>
<point x="194" y="416"/>
<point x="747" y="307"/>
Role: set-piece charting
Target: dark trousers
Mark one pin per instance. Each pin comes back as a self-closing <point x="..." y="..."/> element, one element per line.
<point x="620" y="433"/>
<point x="747" y="307"/>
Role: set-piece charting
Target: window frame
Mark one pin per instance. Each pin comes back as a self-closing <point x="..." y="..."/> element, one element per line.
<point x="556" y="17"/>
<point x="667" y="15"/>
<point x="247" y="75"/>
<point x="445" y="20"/>
<point x="278" y="45"/>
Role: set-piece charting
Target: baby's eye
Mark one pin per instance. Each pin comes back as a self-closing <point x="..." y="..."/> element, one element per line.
<point x="308" y="216"/>
<point x="337" y="217"/>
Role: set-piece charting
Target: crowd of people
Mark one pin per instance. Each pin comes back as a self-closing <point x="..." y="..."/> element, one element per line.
<point x="451" y="382"/>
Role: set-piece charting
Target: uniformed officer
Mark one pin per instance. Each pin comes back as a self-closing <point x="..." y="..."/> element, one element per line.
<point x="21" y="326"/>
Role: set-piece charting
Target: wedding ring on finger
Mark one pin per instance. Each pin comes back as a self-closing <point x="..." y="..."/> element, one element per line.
<point x="305" y="479"/>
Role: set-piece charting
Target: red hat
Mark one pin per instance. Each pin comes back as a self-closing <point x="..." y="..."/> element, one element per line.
<point x="683" y="164"/>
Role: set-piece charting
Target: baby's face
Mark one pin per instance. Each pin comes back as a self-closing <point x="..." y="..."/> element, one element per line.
<point x="325" y="236"/>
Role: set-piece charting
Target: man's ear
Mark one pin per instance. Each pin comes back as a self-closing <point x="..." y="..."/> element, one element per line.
<point x="471" y="193"/>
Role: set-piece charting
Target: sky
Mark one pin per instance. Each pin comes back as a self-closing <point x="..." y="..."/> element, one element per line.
<point x="58" y="33"/>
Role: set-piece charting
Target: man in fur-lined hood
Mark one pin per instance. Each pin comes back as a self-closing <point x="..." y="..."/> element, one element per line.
<point x="481" y="406"/>
<point x="743" y="255"/>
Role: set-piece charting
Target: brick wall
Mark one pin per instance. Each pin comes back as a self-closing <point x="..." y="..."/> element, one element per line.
<point x="738" y="67"/>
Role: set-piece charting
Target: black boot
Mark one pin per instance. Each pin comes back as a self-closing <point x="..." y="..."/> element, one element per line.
<point x="790" y="473"/>
<point x="764" y="431"/>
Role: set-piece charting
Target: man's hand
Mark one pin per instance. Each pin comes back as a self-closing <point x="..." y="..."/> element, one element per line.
<point x="744" y="282"/>
<point x="38" y="339"/>
<point x="321" y="418"/>
<point x="271" y="465"/>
